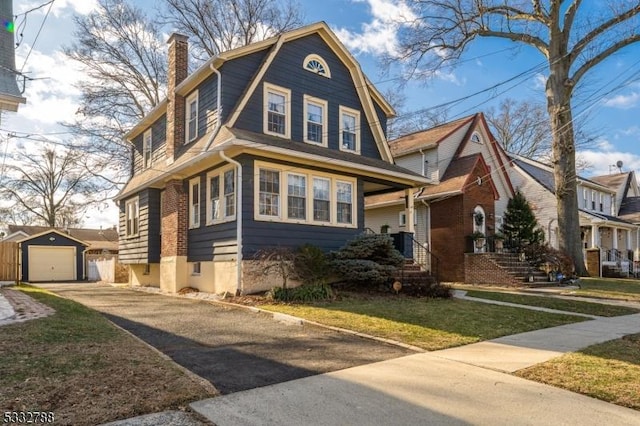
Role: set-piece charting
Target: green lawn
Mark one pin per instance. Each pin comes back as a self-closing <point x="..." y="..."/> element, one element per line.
<point x="430" y="324"/>
<point x="86" y="371"/>
<point x="609" y="288"/>
<point x="555" y="303"/>
<point x="609" y="371"/>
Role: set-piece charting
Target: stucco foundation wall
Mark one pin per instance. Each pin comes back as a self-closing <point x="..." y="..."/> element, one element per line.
<point x="255" y="280"/>
<point x="173" y="273"/>
<point x="137" y="277"/>
<point x="214" y="277"/>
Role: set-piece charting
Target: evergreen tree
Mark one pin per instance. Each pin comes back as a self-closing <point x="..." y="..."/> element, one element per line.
<point x="520" y="226"/>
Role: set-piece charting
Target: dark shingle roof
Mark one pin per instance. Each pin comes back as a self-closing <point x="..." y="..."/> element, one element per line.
<point x="95" y="238"/>
<point x="319" y="150"/>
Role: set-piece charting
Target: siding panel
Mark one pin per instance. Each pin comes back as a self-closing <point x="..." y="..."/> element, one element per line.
<point x="287" y="71"/>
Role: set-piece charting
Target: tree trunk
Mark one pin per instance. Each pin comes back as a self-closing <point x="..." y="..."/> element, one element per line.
<point x="558" y="92"/>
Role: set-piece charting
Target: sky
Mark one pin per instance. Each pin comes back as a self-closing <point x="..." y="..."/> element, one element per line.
<point x="366" y="27"/>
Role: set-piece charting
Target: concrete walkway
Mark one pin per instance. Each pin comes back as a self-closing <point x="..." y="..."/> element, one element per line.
<point x="419" y="389"/>
<point x="459" y="386"/>
<point x="6" y="310"/>
<point x="518" y="351"/>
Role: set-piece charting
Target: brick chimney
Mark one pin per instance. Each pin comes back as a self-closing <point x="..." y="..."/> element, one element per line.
<point x="177" y="72"/>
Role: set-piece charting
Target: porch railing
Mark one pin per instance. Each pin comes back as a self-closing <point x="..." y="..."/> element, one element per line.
<point x="422" y="256"/>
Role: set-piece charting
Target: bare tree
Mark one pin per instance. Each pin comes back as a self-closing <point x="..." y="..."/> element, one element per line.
<point x="410" y="121"/>
<point x="573" y="36"/>
<point x="521" y="127"/>
<point x="215" y="26"/>
<point x="123" y="55"/>
<point x="52" y="188"/>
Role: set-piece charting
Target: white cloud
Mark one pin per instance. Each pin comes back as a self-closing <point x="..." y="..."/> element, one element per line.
<point x="51" y="96"/>
<point x="623" y="101"/>
<point x="604" y="158"/>
<point x="539" y="81"/>
<point x="379" y="36"/>
<point x="59" y="7"/>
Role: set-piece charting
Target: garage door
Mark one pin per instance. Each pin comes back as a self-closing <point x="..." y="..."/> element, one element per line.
<point x="52" y="263"/>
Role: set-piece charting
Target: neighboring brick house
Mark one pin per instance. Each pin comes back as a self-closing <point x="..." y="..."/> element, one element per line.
<point x="466" y="171"/>
<point x="274" y="144"/>
<point x="605" y="211"/>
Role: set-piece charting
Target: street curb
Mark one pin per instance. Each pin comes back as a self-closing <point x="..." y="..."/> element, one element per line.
<point x="193" y="376"/>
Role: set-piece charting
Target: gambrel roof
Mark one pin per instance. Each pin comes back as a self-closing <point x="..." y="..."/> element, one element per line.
<point x="367" y="92"/>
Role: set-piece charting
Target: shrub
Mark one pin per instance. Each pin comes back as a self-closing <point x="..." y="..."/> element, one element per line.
<point x="367" y="260"/>
<point x="304" y="293"/>
<point x="310" y="265"/>
<point x="559" y="261"/>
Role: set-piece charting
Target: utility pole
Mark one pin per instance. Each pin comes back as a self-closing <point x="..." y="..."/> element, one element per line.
<point x="10" y="94"/>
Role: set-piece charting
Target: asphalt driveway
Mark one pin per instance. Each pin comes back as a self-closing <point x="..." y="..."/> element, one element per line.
<point x="233" y="348"/>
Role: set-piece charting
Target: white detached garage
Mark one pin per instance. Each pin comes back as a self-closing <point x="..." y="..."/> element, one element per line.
<point x="52" y="256"/>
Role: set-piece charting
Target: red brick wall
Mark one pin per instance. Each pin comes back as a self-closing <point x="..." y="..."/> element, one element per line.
<point x="593" y="262"/>
<point x="447" y="238"/>
<point x="479" y="269"/>
<point x="174" y="219"/>
<point x="452" y="223"/>
<point x="176" y="73"/>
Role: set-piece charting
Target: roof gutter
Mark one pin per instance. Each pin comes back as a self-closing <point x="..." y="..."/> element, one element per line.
<point x="240" y="284"/>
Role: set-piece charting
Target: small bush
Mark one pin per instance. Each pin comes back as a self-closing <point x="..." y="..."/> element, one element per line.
<point x="310" y="265"/>
<point x="559" y="261"/>
<point x="367" y="260"/>
<point x="304" y="293"/>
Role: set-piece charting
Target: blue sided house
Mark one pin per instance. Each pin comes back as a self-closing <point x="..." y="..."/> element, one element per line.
<point x="274" y="144"/>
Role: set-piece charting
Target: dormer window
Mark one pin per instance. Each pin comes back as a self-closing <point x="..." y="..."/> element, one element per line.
<point x="475" y="137"/>
<point x="316" y="64"/>
<point x="277" y="111"/>
<point x="315" y="113"/>
<point x="349" y="130"/>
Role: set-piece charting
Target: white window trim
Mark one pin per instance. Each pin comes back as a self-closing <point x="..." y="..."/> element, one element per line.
<point x="280" y="188"/>
<point x="193" y="182"/>
<point x="478" y="136"/>
<point x="309" y="174"/>
<point x="349" y="111"/>
<point x="268" y="87"/>
<point x="325" y="110"/>
<point x="135" y="202"/>
<point x="188" y="137"/>
<point x="314" y="57"/>
<point x="196" y="268"/>
<point x="147" y="147"/>
<point x="585" y="199"/>
<point x="220" y="173"/>
<point x="402" y="219"/>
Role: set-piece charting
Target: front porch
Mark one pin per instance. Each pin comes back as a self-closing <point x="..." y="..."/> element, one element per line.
<point x="611" y="248"/>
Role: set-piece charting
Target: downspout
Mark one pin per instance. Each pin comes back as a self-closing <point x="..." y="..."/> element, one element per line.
<point x="239" y="285"/>
<point x="219" y="102"/>
<point x="424" y="169"/>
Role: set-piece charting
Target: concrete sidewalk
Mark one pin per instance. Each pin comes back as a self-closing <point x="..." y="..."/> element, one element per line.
<point x="518" y="351"/>
<point x="418" y="389"/>
<point x="458" y="386"/>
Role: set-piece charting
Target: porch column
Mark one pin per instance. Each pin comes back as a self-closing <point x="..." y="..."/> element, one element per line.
<point x="614" y="236"/>
<point x="629" y="243"/>
<point x="409" y="209"/>
<point x="594" y="236"/>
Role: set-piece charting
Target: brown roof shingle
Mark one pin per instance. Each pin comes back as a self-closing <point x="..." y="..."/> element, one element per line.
<point x="422" y="139"/>
<point x="96" y="238"/>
